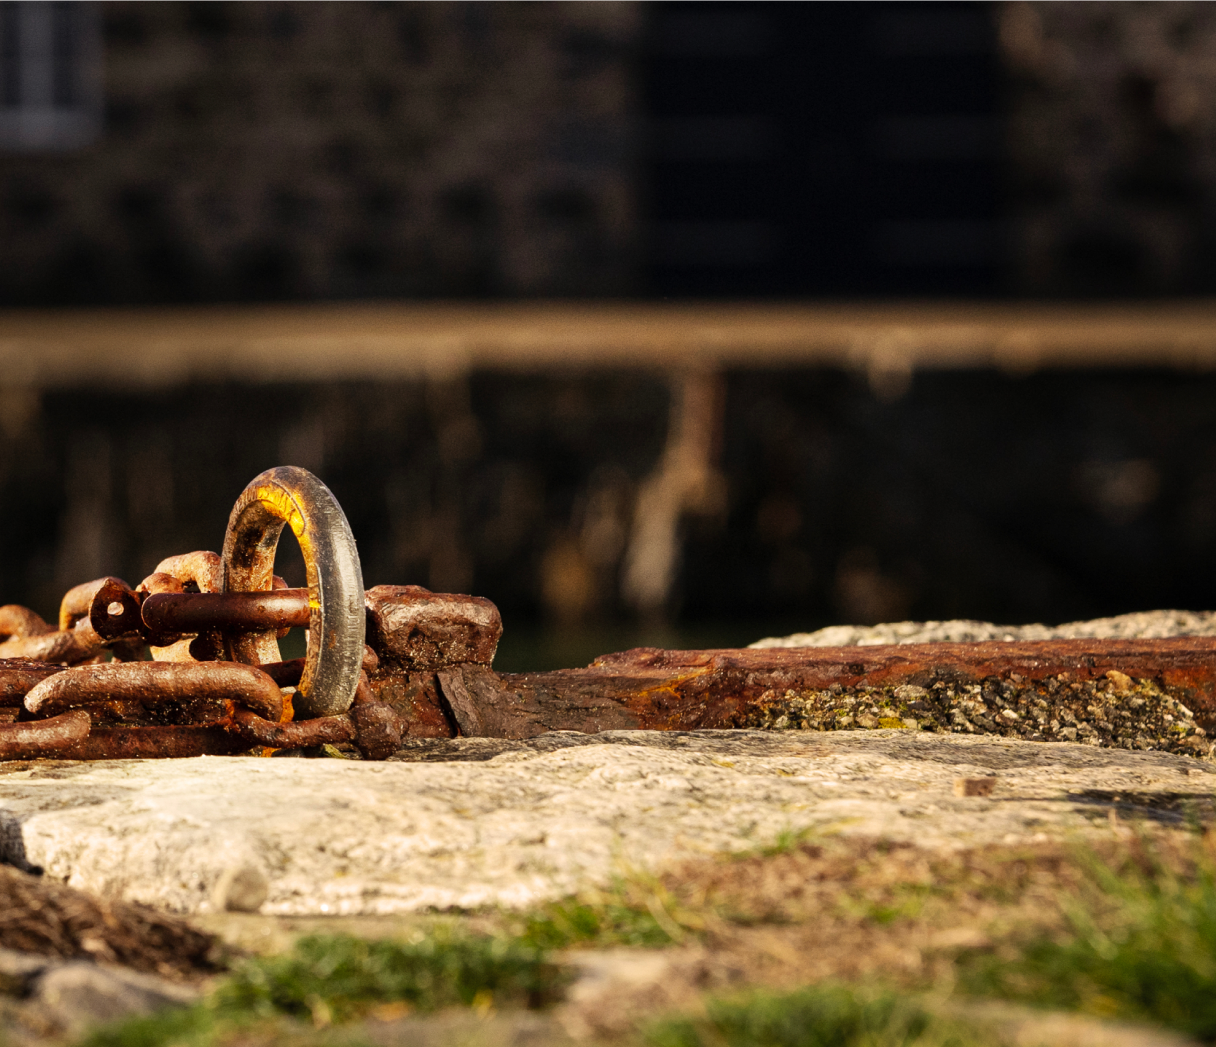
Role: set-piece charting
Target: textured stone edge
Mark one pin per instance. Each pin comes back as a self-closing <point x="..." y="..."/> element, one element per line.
<point x="1137" y="625"/>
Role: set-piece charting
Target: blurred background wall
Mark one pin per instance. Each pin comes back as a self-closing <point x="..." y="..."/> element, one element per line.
<point x="253" y="151"/>
<point x="223" y="155"/>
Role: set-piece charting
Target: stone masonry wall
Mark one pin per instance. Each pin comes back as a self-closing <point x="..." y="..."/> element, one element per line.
<point x="317" y="150"/>
<point x="321" y="150"/>
<point x="1112" y="147"/>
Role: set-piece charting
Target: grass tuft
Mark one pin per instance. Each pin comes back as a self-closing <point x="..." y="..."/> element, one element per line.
<point x="196" y="1026"/>
<point x="785" y="842"/>
<point x="1125" y="931"/>
<point x="1138" y="942"/>
<point x="330" y="979"/>
<point x="333" y="978"/>
<point x="820" y="1016"/>
<point x="563" y="924"/>
<point x="639" y="910"/>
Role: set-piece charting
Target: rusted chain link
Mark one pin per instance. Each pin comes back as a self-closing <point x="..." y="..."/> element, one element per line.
<point x="169" y="708"/>
<point x="57" y="736"/>
<point x="157" y="684"/>
<point x="208" y="622"/>
<point x="83" y="687"/>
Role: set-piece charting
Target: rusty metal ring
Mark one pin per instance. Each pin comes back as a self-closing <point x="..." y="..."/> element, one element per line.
<point x="290" y="495"/>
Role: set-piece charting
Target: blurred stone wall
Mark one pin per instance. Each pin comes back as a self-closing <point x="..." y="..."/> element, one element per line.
<point x="327" y="150"/>
<point x="280" y="150"/>
<point x="519" y="487"/>
<point x="1112" y="147"/>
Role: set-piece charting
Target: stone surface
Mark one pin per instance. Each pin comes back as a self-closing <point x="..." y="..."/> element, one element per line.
<point x="73" y="996"/>
<point x="241" y="888"/>
<point x="512" y="823"/>
<point x="18" y="970"/>
<point x="1141" y="624"/>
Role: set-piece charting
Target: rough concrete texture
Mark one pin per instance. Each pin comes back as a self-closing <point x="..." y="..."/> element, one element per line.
<point x="1141" y="624"/>
<point x="513" y="823"/>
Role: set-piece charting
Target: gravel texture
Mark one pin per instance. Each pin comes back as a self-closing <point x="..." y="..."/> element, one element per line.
<point x="1118" y="712"/>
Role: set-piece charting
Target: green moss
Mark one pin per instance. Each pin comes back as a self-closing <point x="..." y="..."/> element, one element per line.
<point x="327" y="979"/>
<point x="573" y="922"/>
<point x="785" y="842"/>
<point x="638" y="910"/>
<point x="192" y="1027"/>
<point x="343" y="975"/>
<point x="820" y="1016"/>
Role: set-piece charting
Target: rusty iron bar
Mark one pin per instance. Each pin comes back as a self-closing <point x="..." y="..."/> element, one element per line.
<point x="231" y="612"/>
<point x="428" y="663"/>
<point x="656" y="689"/>
<point x="643" y="688"/>
<point x="683" y="689"/>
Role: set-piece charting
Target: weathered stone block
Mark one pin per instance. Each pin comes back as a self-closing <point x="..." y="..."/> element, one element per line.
<point x="472" y="822"/>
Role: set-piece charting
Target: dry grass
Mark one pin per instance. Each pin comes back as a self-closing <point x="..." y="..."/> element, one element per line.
<point x="854" y="910"/>
<point x="38" y="915"/>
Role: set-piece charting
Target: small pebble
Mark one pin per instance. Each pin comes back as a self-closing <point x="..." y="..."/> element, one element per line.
<point x="240" y="889"/>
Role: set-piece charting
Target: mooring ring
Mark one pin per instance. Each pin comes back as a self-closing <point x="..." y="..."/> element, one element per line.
<point x="291" y="495"/>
